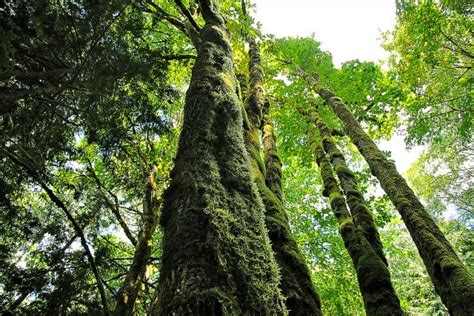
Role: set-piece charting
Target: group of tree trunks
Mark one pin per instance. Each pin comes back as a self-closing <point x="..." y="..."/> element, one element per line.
<point x="212" y="216"/>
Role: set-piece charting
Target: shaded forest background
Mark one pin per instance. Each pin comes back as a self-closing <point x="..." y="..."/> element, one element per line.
<point x="91" y="108"/>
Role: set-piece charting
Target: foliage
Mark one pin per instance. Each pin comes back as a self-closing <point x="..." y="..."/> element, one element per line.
<point x="432" y="59"/>
<point x="91" y="99"/>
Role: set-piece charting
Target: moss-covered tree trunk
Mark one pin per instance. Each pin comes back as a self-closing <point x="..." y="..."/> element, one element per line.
<point x="217" y="259"/>
<point x="372" y="273"/>
<point x="270" y="155"/>
<point x="133" y="280"/>
<point x="451" y="279"/>
<point x="296" y="283"/>
<point x="355" y="200"/>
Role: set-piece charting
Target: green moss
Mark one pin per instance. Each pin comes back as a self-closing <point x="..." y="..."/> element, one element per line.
<point x="335" y="99"/>
<point x="217" y="258"/>
<point x="355" y="194"/>
<point x="337" y="132"/>
<point x="345" y="224"/>
<point x="327" y="139"/>
<point x="402" y="203"/>
<point x="343" y="170"/>
<point x="228" y="81"/>
<point x="296" y="283"/>
<point x="336" y="198"/>
<point x="374" y="278"/>
<point x="430" y="241"/>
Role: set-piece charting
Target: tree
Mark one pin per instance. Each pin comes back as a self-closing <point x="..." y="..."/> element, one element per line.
<point x="216" y="253"/>
<point x="112" y="202"/>
<point x="56" y="128"/>
<point x="458" y="303"/>
<point x="452" y="280"/>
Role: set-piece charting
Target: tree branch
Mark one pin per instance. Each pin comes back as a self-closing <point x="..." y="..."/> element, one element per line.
<point x="461" y="49"/>
<point x="113" y="206"/>
<point x="188" y="15"/>
<point x="171" y="19"/>
<point x="54" y="198"/>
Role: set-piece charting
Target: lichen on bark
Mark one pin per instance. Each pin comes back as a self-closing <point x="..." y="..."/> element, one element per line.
<point x="217" y="257"/>
<point x="452" y="280"/>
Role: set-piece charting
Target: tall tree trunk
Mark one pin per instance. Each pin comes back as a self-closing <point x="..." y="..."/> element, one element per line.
<point x="355" y="200"/>
<point x="217" y="257"/>
<point x="372" y="273"/>
<point x="270" y="155"/>
<point x="133" y="280"/>
<point x="296" y="283"/>
<point x="452" y="280"/>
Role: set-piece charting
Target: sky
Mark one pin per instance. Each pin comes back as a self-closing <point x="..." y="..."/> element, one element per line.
<point x="348" y="29"/>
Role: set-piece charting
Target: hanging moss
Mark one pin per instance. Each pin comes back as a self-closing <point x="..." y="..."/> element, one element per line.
<point x="455" y="285"/>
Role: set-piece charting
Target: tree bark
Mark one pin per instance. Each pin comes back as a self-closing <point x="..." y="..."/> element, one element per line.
<point x="296" y="283"/>
<point x="272" y="160"/>
<point x="355" y="200"/>
<point x="372" y="273"/>
<point x="133" y="280"/>
<point x="451" y="279"/>
<point x="217" y="257"/>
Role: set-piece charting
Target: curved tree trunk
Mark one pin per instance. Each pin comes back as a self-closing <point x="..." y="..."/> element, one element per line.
<point x="217" y="258"/>
<point x="451" y="279"/>
<point x="133" y="280"/>
<point x="372" y="273"/>
<point x="272" y="160"/>
<point x="296" y="283"/>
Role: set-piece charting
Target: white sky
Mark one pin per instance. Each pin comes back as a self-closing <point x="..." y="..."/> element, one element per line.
<point x="348" y="29"/>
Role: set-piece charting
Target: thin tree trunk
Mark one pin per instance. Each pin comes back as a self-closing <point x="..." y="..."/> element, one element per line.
<point x="372" y="273"/>
<point x="296" y="283"/>
<point x="451" y="279"/>
<point x="272" y="160"/>
<point x="133" y="280"/>
<point x="355" y="200"/>
<point x="114" y="207"/>
<point x="217" y="257"/>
